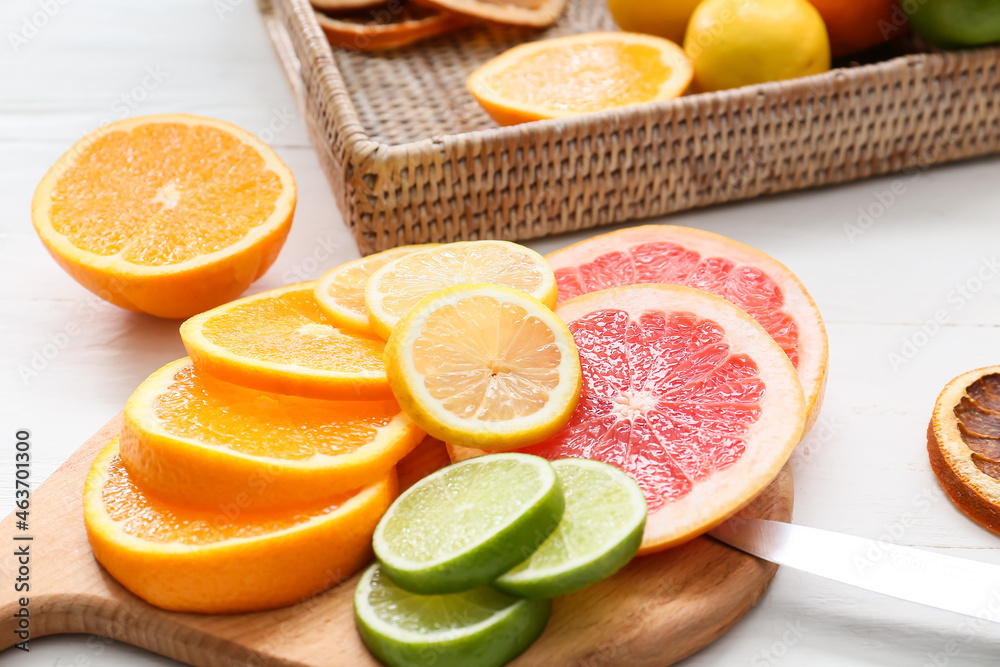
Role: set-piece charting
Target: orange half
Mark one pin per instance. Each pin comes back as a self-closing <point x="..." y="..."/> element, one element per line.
<point x="169" y="215"/>
<point x="566" y="76"/>
<point x="199" y="441"/>
<point x="210" y="561"/>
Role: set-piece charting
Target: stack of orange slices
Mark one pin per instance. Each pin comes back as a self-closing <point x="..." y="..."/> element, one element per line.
<point x="251" y="474"/>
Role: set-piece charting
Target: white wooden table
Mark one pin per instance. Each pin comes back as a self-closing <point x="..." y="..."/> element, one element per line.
<point x="930" y="249"/>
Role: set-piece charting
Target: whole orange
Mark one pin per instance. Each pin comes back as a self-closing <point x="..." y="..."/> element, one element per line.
<point x="856" y="25"/>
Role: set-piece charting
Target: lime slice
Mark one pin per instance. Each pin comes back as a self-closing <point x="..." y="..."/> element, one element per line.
<point x="481" y="627"/>
<point x="465" y="525"/>
<point x="600" y="532"/>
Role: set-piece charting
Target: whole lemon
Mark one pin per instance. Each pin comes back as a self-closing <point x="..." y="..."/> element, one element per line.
<point x="736" y="43"/>
<point x="663" y="18"/>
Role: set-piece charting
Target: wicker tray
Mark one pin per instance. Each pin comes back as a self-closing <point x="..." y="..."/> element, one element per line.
<point x="412" y="159"/>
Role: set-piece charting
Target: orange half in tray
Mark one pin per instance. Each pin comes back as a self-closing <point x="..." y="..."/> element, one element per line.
<point x="567" y="76"/>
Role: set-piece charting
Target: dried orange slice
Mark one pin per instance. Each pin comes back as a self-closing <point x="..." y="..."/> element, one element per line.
<point x="169" y="215"/>
<point x="210" y="561"/>
<point x="963" y="441"/>
<point x="399" y="285"/>
<point x="686" y="393"/>
<point x="753" y="280"/>
<point x="484" y="366"/>
<point x="280" y="341"/>
<point x="338" y="6"/>
<point x="196" y="439"/>
<point x="340" y="292"/>
<point x="386" y="26"/>
<point x="532" y="13"/>
<point x="567" y="76"/>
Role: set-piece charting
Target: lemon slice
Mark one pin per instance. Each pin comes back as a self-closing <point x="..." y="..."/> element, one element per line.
<point x="400" y="285"/>
<point x="340" y="292"/>
<point x="484" y="366"/>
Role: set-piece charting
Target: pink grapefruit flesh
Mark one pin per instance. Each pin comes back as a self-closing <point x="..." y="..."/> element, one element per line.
<point x="686" y="393"/>
<point x="747" y="277"/>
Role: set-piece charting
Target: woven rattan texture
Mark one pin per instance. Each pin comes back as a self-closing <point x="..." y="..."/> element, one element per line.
<point x="412" y="159"/>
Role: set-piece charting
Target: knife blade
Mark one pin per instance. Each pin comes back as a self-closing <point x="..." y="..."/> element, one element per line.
<point x="946" y="582"/>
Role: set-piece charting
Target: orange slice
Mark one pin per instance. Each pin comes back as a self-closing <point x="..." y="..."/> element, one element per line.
<point x="532" y="13"/>
<point x="754" y="281"/>
<point x="566" y="76"/>
<point x="687" y="394"/>
<point x="280" y="341"/>
<point x="386" y="26"/>
<point x="198" y="440"/>
<point x="963" y="441"/>
<point x="212" y="561"/>
<point x="340" y="292"/>
<point x="169" y="215"/>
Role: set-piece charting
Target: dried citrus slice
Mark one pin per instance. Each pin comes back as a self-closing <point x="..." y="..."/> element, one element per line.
<point x="206" y="561"/>
<point x="340" y="292"/>
<point x="484" y="366"/>
<point x="751" y="279"/>
<point x="170" y="214"/>
<point x="340" y="6"/>
<point x="567" y="76"/>
<point x="280" y="341"/>
<point x="388" y="25"/>
<point x="686" y="393"/>
<point x="196" y="439"/>
<point x="533" y="13"/>
<point x="963" y="441"/>
<point x="399" y="285"/>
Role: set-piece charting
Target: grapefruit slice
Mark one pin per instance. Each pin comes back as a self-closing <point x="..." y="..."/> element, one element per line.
<point x="751" y="279"/>
<point x="686" y="393"/>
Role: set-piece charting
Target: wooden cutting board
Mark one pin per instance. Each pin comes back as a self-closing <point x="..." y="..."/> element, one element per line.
<point x="656" y="611"/>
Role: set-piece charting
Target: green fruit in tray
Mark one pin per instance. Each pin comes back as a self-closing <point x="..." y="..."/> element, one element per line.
<point x="477" y="628"/>
<point x="465" y="525"/>
<point x="955" y="23"/>
<point x="600" y="532"/>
